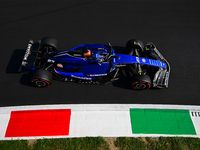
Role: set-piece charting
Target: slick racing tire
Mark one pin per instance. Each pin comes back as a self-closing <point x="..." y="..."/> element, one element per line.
<point x="41" y="78"/>
<point x="51" y="42"/>
<point x="141" y="82"/>
<point x="134" y="44"/>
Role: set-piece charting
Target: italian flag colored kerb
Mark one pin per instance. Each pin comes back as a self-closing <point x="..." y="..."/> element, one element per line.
<point x="161" y="121"/>
<point x="63" y="122"/>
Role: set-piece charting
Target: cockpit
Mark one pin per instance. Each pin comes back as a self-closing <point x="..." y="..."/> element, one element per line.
<point x="90" y="54"/>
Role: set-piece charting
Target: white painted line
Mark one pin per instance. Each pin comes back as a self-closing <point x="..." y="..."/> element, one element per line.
<point x="98" y="107"/>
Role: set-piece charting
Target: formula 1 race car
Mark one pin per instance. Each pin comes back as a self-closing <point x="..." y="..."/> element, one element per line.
<point x="96" y="64"/>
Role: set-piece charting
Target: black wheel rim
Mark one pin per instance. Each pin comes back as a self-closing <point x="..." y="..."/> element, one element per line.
<point x="40" y="83"/>
<point x="140" y="85"/>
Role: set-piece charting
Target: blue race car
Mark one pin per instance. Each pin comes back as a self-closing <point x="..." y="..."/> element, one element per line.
<point x="143" y="65"/>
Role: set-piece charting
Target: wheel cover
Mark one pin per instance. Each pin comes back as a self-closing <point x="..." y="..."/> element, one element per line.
<point x="141" y="85"/>
<point x="40" y="83"/>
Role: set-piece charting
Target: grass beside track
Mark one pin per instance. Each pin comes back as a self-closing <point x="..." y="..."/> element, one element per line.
<point x="161" y="143"/>
<point x="88" y="143"/>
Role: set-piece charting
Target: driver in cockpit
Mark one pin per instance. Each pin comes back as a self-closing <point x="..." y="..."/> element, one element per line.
<point x="94" y="56"/>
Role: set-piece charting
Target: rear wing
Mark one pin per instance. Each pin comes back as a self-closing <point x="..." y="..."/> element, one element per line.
<point x="30" y="57"/>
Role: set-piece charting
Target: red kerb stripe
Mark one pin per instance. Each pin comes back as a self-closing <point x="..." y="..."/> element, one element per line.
<point x="52" y="122"/>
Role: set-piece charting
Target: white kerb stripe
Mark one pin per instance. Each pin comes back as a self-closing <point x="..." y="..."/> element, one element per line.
<point x="3" y="124"/>
<point x="196" y="121"/>
<point x="100" y="123"/>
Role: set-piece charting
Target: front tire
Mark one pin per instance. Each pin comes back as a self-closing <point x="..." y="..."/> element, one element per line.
<point x="41" y="78"/>
<point x="141" y="82"/>
<point x="133" y="44"/>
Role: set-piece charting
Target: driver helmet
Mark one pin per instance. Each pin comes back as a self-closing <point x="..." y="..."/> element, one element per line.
<point x="97" y="56"/>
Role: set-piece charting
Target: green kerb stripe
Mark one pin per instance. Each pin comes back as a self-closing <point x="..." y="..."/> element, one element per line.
<point x="161" y="121"/>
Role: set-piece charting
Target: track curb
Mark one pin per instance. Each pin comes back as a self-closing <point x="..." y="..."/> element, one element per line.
<point x="92" y="120"/>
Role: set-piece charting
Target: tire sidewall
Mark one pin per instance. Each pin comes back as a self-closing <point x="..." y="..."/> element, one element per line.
<point x="40" y="83"/>
<point x="141" y="82"/>
<point x="41" y="78"/>
<point x="141" y="85"/>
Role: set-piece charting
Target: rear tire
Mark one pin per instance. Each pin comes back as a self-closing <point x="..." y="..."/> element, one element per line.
<point x="134" y="44"/>
<point x="51" y="42"/>
<point x="41" y="78"/>
<point x="141" y="82"/>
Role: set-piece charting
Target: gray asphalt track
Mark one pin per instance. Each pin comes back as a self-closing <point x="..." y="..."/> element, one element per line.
<point x="173" y="26"/>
